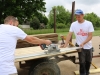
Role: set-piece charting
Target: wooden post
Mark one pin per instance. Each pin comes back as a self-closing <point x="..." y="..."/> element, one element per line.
<point x="54" y="20"/>
<point x="73" y="8"/>
<point x="72" y="15"/>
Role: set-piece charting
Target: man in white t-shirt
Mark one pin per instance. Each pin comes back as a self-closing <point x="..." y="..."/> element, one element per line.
<point x="83" y="30"/>
<point x="9" y="34"/>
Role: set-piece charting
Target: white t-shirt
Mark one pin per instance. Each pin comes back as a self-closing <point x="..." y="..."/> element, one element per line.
<point x="8" y="39"/>
<point x="81" y="31"/>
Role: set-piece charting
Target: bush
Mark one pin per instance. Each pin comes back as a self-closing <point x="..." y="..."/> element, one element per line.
<point x="96" y="28"/>
<point x="48" y="26"/>
<point x="61" y="25"/>
<point x="68" y="25"/>
<point x="35" y="23"/>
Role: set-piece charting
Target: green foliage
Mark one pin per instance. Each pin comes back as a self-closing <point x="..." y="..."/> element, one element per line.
<point x="35" y="24"/>
<point x="48" y="26"/>
<point x="31" y="31"/>
<point x="61" y="26"/>
<point x="45" y="20"/>
<point x="68" y="25"/>
<point x="23" y="9"/>
<point x="42" y="18"/>
<point x="51" y="19"/>
<point x="93" y="18"/>
<point x="62" y="16"/>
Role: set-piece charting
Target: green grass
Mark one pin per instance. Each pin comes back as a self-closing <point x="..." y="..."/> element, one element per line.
<point x="43" y="31"/>
<point x="58" y="31"/>
<point x="96" y="33"/>
<point x="65" y="34"/>
<point x="40" y="31"/>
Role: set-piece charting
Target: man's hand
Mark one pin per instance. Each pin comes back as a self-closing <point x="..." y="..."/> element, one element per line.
<point x="48" y="42"/>
<point x="87" y="40"/>
<point x="82" y="45"/>
<point x="67" y="40"/>
<point x="63" y="46"/>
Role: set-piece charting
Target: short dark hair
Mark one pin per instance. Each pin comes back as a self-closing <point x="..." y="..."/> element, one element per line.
<point x="9" y="18"/>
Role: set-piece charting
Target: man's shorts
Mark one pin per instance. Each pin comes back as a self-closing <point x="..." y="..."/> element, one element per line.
<point x="13" y="74"/>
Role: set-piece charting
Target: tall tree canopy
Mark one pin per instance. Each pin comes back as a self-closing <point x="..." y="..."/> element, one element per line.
<point x="93" y="18"/>
<point x="62" y="16"/>
<point x="23" y="9"/>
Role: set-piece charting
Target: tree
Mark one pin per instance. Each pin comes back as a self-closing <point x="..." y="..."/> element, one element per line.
<point x="23" y="9"/>
<point x="35" y="24"/>
<point x="42" y="18"/>
<point x="45" y="20"/>
<point x="93" y="18"/>
<point x="62" y="16"/>
<point x="61" y="25"/>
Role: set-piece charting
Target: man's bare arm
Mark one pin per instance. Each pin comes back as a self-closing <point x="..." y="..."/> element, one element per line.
<point x="68" y="38"/>
<point x="88" y="39"/>
<point x="35" y="40"/>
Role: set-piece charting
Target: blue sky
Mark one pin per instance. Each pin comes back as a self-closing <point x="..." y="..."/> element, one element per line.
<point x="87" y="6"/>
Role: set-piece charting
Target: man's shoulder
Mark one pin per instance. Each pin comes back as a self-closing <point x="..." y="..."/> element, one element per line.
<point x="75" y="22"/>
<point x="10" y="27"/>
<point x="89" y="22"/>
<point x="14" y="27"/>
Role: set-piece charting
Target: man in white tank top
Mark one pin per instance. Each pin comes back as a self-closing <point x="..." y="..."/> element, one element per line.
<point x="83" y="30"/>
<point x="9" y="34"/>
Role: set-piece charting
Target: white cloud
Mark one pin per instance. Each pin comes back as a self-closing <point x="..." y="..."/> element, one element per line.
<point x="88" y="2"/>
<point x="95" y="8"/>
<point x="87" y="6"/>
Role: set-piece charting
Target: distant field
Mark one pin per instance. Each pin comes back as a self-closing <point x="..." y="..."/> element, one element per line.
<point x="95" y="33"/>
<point x="44" y="31"/>
<point x="58" y="31"/>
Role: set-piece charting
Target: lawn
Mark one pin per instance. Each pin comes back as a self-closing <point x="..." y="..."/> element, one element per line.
<point x="58" y="31"/>
<point x="95" y="33"/>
